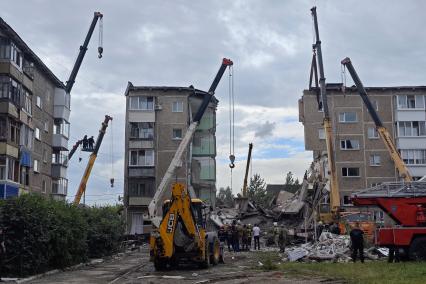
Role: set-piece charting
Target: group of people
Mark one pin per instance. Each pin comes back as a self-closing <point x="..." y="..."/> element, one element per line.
<point x="239" y="236"/>
<point x="88" y="142"/>
<point x="277" y="235"/>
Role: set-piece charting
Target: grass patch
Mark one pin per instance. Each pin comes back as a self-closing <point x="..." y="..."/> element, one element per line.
<point x="370" y="272"/>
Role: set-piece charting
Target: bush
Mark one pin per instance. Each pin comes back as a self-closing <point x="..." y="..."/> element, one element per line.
<point x="42" y="234"/>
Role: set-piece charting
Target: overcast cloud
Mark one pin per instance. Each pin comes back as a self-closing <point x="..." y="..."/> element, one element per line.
<point x="181" y="43"/>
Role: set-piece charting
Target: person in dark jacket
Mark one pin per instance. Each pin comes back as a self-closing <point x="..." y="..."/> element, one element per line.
<point x="357" y="239"/>
<point x="91" y="142"/>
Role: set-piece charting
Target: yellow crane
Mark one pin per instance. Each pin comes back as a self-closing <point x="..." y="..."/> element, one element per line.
<point x="92" y="159"/>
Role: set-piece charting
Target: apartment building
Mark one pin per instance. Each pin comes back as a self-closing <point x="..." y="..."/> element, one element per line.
<point x="362" y="160"/>
<point x="156" y="120"/>
<point x="34" y="127"/>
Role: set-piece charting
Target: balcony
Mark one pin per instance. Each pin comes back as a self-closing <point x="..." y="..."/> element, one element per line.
<point x="141" y="172"/>
<point x="59" y="171"/>
<point x="60" y="187"/>
<point x="139" y="201"/>
<point x="60" y="141"/>
<point x="141" y="144"/>
<point x="61" y="105"/>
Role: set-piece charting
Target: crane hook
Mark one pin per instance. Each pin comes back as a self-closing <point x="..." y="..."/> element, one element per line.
<point x="232" y="159"/>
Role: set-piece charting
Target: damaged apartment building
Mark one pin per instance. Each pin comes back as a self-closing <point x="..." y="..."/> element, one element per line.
<point x="156" y="120"/>
<point x="362" y="161"/>
<point x="34" y="127"/>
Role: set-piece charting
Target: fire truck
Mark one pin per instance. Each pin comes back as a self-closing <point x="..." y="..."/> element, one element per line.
<point x="405" y="203"/>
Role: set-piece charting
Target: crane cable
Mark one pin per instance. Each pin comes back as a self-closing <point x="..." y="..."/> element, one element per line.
<point x="231" y="120"/>
<point x="112" y="156"/>
<point x="101" y="38"/>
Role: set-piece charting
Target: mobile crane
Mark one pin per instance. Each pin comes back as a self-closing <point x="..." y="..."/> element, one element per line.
<point x="92" y="159"/>
<point x="180" y="233"/>
<point x="317" y="63"/>
<point x="383" y="132"/>
<point x="405" y="203"/>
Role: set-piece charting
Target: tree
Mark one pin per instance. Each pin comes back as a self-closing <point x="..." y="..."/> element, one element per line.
<point x="291" y="184"/>
<point x="257" y="190"/>
<point x="225" y="197"/>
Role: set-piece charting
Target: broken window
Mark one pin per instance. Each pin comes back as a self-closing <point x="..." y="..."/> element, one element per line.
<point x="350" y="172"/>
<point x="349" y="144"/>
<point x="177" y="133"/>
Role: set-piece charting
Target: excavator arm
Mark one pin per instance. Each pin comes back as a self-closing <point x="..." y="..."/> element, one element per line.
<point x="383" y="132"/>
<point x="177" y="158"/>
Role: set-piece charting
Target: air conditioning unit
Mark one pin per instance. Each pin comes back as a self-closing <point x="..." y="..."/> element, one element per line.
<point x="158" y="107"/>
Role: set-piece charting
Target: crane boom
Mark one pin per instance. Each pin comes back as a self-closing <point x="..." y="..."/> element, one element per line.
<point x="177" y="158"/>
<point x="247" y="170"/>
<point x="334" y="185"/>
<point x="92" y="159"/>
<point x="383" y="132"/>
<point x="83" y="48"/>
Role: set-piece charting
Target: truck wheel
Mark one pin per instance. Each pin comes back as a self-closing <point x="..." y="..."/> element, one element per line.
<point x="206" y="262"/>
<point x="417" y="249"/>
<point x="215" y="257"/>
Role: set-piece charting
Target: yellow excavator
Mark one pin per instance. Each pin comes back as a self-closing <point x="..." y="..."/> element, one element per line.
<point x="179" y="234"/>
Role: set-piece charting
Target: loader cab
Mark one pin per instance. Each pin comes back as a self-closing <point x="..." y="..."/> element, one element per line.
<point x="199" y="210"/>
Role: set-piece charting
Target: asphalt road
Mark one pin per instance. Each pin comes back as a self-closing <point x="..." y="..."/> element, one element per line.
<point x="136" y="268"/>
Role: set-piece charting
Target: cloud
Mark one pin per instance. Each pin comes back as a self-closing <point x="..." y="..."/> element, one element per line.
<point x="265" y="129"/>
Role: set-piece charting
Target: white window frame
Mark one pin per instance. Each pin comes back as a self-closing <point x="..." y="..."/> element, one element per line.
<point x="39" y="102"/>
<point x="142" y="102"/>
<point x="177" y="106"/>
<point x="375" y="160"/>
<point x="343" y="117"/>
<point x="345" y="143"/>
<point x="37" y="134"/>
<point x="321" y="134"/>
<point x="414" y="156"/>
<point x="372" y="130"/>
<point x="174" y="137"/>
<point x="142" y="160"/>
<point x="36" y="167"/>
<point x="347" y="172"/>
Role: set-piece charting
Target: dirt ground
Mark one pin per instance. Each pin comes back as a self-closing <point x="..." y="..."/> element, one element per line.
<point x="243" y="267"/>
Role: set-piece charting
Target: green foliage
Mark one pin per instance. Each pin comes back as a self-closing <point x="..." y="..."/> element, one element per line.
<point x="42" y="234"/>
<point x="225" y="197"/>
<point x="257" y="190"/>
<point x="291" y="184"/>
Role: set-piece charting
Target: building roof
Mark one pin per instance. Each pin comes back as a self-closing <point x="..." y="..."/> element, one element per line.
<point x="197" y="92"/>
<point x="28" y="53"/>
<point x="339" y="86"/>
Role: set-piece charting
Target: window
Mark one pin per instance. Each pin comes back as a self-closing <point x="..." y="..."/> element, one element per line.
<point x="321" y="133"/>
<point x="374" y="184"/>
<point x="12" y="170"/>
<point x="411" y="101"/>
<point x="61" y="127"/>
<point x="37" y="133"/>
<point x="59" y="158"/>
<point x="347" y="117"/>
<point x="141" y="158"/>
<point x="350" y="172"/>
<point x="43" y="186"/>
<point x="10" y="89"/>
<point x="141" y="103"/>
<point x="347" y="200"/>
<point x="411" y="128"/>
<point x="5" y="47"/>
<point x="46" y="126"/>
<point x="27" y="135"/>
<point x="3" y="127"/>
<point x="349" y="144"/>
<point x="141" y="189"/>
<point x="36" y="168"/>
<point x="372" y="133"/>
<point x="177" y="133"/>
<point x="375" y="160"/>
<point x="25" y="176"/>
<point x="44" y="156"/>
<point x="2" y="168"/>
<point x="15" y="131"/>
<point x="26" y="101"/>
<point x="143" y="130"/>
<point x="414" y="157"/>
<point x="177" y="106"/>
<point x="60" y="186"/>
<point x="39" y="102"/>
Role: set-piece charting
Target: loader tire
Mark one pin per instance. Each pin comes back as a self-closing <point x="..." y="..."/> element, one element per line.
<point x="206" y="261"/>
<point x="215" y="254"/>
<point x="160" y="264"/>
<point x="417" y="250"/>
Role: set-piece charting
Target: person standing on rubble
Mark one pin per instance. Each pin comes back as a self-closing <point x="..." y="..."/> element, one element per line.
<point x="282" y="238"/>
<point x="221" y="234"/>
<point x="228" y="237"/>
<point x="244" y="238"/>
<point x="256" y="236"/>
<point x="235" y="238"/>
<point x="357" y="239"/>
<point x="249" y="235"/>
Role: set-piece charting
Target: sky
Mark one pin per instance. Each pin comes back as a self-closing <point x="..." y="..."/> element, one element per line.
<point x="181" y="43"/>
